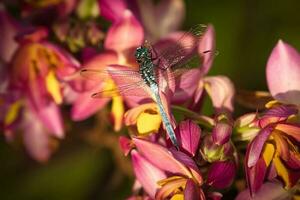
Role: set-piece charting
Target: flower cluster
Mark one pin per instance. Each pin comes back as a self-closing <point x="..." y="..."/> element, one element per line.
<point x="54" y="70"/>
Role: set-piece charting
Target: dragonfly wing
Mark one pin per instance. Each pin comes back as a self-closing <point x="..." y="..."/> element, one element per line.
<point x="183" y="50"/>
<point x="103" y="74"/>
<point x="134" y="89"/>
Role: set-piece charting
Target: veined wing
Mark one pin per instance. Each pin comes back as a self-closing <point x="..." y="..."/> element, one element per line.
<point x="117" y="81"/>
<point x="137" y="89"/>
<point x="103" y="74"/>
<point x="177" y="55"/>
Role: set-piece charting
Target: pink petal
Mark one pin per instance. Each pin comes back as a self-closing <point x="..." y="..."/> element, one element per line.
<point x="256" y="175"/>
<point x="97" y="71"/>
<point x="112" y="10"/>
<point x="160" y="157"/>
<point x="51" y="118"/>
<point x="215" y="195"/>
<point x="189" y="136"/>
<point x="206" y="48"/>
<point x="283" y="73"/>
<point x="147" y="174"/>
<point x="221" y="133"/>
<point x="255" y="147"/>
<point x="36" y="139"/>
<point x="188" y="162"/>
<point x="191" y="191"/>
<point x="185" y="86"/>
<point x="221" y="91"/>
<point x="294" y="161"/>
<point x="85" y="106"/>
<point x="125" y="144"/>
<point x="292" y="130"/>
<point x="221" y="174"/>
<point x="282" y="111"/>
<point x="8" y="31"/>
<point x="269" y="190"/>
<point x="125" y="34"/>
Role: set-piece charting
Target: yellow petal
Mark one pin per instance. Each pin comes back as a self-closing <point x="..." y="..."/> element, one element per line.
<point x="268" y="153"/>
<point x="148" y="121"/>
<point x="118" y="112"/>
<point x="282" y="171"/>
<point x="12" y="113"/>
<point x="53" y="87"/>
<point x="177" y="197"/>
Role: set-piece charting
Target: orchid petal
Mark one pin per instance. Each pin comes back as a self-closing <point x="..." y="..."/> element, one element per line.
<point x="168" y="188"/>
<point x="289" y="129"/>
<point x="188" y="162"/>
<point x="221" y="92"/>
<point x="131" y="115"/>
<point x="283" y="73"/>
<point x="269" y="190"/>
<point x="51" y="118"/>
<point x="147" y="174"/>
<point x="189" y="136"/>
<point x="206" y="48"/>
<point x="256" y="146"/>
<point x="221" y="174"/>
<point x="125" y="144"/>
<point x="256" y="175"/>
<point x="85" y="106"/>
<point x="191" y="191"/>
<point x="112" y="10"/>
<point x="124" y="34"/>
<point x="221" y="133"/>
<point x="160" y="157"/>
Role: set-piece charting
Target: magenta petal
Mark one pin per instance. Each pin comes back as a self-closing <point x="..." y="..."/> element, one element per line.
<point x="188" y="162"/>
<point x="112" y="10"/>
<point x="127" y="33"/>
<point x="255" y="147"/>
<point x="160" y="157"/>
<point x="206" y="48"/>
<point x="221" y="91"/>
<point x="282" y="111"/>
<point x="269" y="190"/>
<point x="283" y="73"/>
<point x="214" y="196"/>
<point x="189" y="136"/>
<point x="221" y="133"/>
<point x="221" y="174"/>
<point x="147" y="174"/>
<point x="255" y="176"/>
<point x="85" y="106"/>
<point x="125" y="144"/>
<point x="191" y="191"/>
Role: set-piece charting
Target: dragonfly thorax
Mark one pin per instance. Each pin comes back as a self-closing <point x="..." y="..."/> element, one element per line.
<point x="144" y="58"/>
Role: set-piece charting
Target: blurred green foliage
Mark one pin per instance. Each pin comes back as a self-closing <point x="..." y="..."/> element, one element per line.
<point x="246" y="32"/>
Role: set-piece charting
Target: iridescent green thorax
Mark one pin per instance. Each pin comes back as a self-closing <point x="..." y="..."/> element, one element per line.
<point x="144" y="58"/>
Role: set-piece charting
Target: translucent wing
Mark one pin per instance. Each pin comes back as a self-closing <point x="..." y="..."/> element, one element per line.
<point x="103" y="74"/>
<point x="138" y="89"/>
<point x="184" y="50"/>
<point x="117" y="81"/>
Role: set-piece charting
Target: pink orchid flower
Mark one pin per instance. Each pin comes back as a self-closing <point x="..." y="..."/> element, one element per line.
<point x="34" y="92"/>
<point x="119" y="51"/>
<point x="184" y="179"/>
<point x="283" y="73"/>
<point x="274" y="150"/>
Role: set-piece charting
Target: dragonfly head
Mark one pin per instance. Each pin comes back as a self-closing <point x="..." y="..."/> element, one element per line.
<point x="142" y="53"/>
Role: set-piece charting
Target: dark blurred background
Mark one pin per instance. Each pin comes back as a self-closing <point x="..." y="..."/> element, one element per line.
<point x="246" y="32"/>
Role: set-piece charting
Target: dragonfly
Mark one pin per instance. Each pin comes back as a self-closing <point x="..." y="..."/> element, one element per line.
<point x="173" y="61"/>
